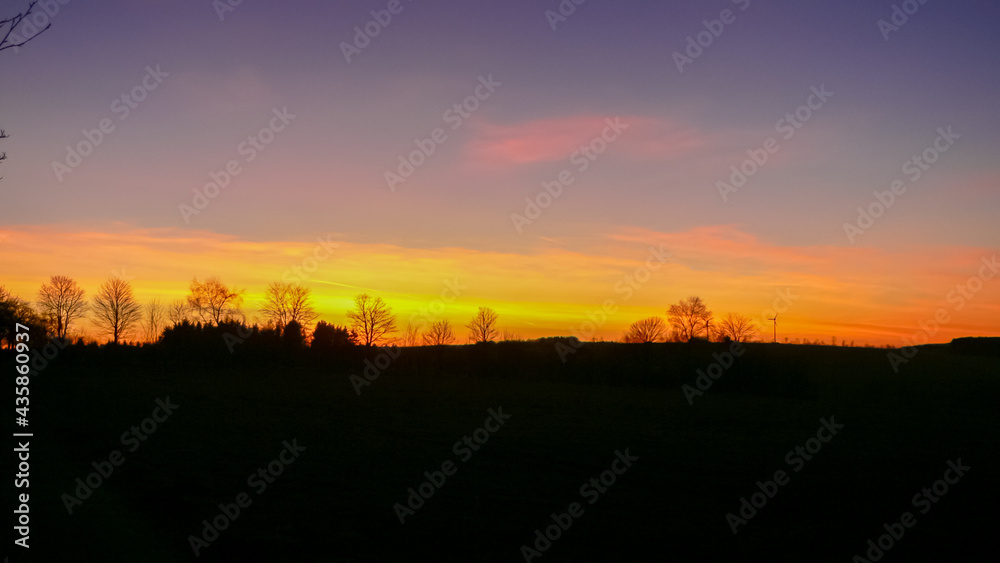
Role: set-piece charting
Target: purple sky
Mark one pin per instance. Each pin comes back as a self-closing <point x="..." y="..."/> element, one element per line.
<point x="324" y="173"/>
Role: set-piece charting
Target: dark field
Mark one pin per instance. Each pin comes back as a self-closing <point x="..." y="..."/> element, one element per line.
<point x="335" y="501"/>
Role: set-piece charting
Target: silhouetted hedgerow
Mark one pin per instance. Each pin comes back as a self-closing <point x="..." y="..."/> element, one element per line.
<point x="976" y="346"/>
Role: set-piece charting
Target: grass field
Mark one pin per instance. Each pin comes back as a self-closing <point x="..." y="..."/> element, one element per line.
<point x="335" y="501"/>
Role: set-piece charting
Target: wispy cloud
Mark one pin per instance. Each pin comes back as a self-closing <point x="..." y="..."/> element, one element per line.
<point x="555" y="139"/>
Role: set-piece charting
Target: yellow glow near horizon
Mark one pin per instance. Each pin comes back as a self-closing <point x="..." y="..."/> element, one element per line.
<point x="544" y="293"/>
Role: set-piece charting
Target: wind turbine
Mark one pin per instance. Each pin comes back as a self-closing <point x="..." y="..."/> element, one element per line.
<point x="775" y="319"/>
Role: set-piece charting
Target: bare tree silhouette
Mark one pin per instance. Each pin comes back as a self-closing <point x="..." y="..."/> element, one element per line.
<point x="214" y="302"/>
<point x="6" y="43"/>
<point x="738" y="328"/>
<point x="3" y="155"/>
<point x="439" y="333"/>
<point x="372" y="318"/>
<point x="12" y="23"/>
<point x="508" y="335"/>
<point x="483" y="327"/>
<point x="651" y="329"/>
<point x="410" y="337"/>
<point x="287" y="302"/>
<point x="177" y="312"/>
<point x="116" y="311"/>
<point x="155" y="314"/>
<point x="61" y="301"/>
<point x="689" y="317"/>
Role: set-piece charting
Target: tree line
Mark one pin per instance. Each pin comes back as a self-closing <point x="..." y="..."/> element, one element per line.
<point x="287" y="310"/>
<point x="688" y="320"/>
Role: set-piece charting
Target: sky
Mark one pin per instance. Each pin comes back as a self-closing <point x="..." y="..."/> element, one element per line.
<point x="833" y="162"/>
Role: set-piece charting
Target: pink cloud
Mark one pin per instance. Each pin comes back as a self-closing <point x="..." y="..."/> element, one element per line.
<point x="555" y="139"/>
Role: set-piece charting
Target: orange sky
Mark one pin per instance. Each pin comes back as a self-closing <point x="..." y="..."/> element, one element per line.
<point x="853" y="293"/>
<point x="538" y="167"/>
